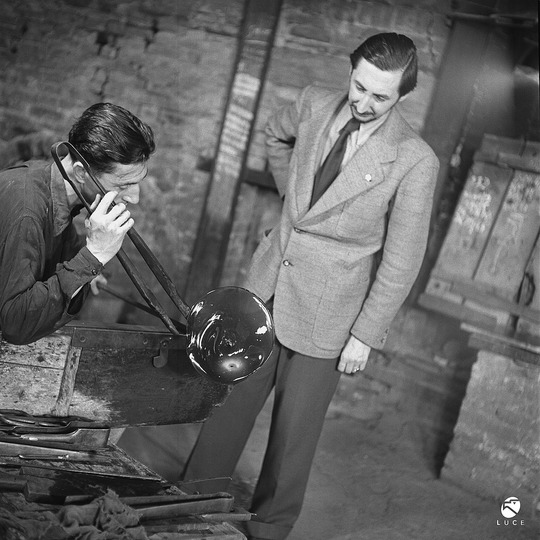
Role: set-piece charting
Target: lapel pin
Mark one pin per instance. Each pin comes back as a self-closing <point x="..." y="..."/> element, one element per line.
<point x="368" y="177"/>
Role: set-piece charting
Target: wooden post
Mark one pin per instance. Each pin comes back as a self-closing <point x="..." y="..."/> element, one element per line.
<point x="258" y="30"/>
<point x="465" y="105"/>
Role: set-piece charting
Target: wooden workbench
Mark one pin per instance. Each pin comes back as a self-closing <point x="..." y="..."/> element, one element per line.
<point x="117" y="471"/>
<point x="114" y="376"/>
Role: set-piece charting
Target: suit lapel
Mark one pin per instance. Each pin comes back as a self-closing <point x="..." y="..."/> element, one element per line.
<point x="364" y="171"/>
<point x="311" y="137"/>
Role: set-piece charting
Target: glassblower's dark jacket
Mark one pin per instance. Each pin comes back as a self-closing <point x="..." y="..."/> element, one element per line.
<point x="43" y="261"/>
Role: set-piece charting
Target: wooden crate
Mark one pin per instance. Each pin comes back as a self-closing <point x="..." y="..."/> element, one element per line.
<point x="122" y="375"/>
<point x="487" y="271"/>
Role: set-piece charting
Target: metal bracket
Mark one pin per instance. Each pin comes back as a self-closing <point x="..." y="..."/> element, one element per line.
<point x="163" y="357"/>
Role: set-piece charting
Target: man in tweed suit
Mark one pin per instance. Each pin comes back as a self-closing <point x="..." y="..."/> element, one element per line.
<point x="336" y="268"/>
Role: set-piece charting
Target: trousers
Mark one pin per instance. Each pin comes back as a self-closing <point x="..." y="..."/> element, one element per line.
<point x="303" y="387"/>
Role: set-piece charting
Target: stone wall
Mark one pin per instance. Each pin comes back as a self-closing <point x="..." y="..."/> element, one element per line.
<point x="496" y="448"/>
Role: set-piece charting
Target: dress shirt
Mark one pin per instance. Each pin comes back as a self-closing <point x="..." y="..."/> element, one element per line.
<point x="356" y="139"/>
<point x="43" y="261"/>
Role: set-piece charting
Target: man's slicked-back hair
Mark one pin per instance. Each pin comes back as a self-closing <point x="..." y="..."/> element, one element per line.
<point x="106" y="134"/>
<point x="390" y="52"/>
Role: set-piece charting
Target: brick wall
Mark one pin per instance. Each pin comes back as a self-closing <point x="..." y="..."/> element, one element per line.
<point x="169" y="62"/>
<point x="314" y="40"/>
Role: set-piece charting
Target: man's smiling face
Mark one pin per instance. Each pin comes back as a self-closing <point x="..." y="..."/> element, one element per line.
<point x="372" y="91"/>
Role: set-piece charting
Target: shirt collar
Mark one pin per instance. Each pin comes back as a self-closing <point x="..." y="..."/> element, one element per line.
<point x="366" y="129"/>
<point x="62" y="213"/>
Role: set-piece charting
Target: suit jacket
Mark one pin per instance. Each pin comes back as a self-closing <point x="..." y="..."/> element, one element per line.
<point x="347" y="264"/>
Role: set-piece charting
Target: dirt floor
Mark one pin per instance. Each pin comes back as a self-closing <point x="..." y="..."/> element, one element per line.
<point x="371" y="480"/>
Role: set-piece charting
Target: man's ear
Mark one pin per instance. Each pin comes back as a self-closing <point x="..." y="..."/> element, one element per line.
<point x="403" y="98"/>
<point x="79" y="172"/>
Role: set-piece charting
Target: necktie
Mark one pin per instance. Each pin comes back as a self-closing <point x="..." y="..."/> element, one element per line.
<point x="330" y="168"/>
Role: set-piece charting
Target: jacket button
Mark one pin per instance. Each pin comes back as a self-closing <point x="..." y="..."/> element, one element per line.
<point x="286" y="263"/>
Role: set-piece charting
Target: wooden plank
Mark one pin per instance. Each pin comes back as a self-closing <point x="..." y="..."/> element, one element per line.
<point x="30" y="388"/>
<point x="458" y="291"/>
<point x="466" y="104"/>
<point x="258" y="30"/>
<point x="46" y="484"/>
<point x="457" y="311"/>
<point x="48" y="352"/>
<point x="31" y="375"/>
<point x="530" y="293"/>
<point x="512" y="153"/>
<point x="473" y="219"/>
<point x="67" y="384"/>
<point x="480" y="342"/>
<point x="527" y="343"/>
<point x="513" y="236"/>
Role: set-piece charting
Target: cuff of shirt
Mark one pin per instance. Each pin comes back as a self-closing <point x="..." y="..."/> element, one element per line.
<point x="82" y="269"/>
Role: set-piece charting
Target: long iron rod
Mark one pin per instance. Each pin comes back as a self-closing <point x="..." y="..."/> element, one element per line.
<point x="134" y="303"/>
<point x="126" y="262"/>
<point x="151" y="260"/>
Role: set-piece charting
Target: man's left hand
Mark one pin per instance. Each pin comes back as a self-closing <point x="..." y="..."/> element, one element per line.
<point x="96" y="282"/>
<point x="354" y="356"/>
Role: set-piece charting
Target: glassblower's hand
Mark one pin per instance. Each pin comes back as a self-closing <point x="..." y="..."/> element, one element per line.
<point x="106" y="229"/>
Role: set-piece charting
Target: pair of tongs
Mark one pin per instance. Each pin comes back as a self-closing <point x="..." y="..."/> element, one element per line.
<point x="150" y="259"/>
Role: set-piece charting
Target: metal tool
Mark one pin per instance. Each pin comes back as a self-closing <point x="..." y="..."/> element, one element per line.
<point x="170" y="506"/>
<point x="138" y="305"/>
<point x="17" y="418"/>
<point x="81" y="458"/>
<point x="18" y="447"/>
<point x="15" y="422"/>
<point x="81" y="437"/>
<point x="229" y="327"/>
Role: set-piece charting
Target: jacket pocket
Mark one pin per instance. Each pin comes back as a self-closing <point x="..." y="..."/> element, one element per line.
<point x="340" y="304"/>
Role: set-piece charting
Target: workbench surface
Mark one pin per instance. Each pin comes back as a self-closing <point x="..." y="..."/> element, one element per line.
<point x="44" y="491"/>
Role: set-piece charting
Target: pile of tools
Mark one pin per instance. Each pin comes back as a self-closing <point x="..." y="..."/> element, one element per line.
<point x="67" y="460"/>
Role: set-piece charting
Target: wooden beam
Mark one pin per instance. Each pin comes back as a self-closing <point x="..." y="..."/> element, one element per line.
<point x="251" y="64"/>
<point x="465" y="105"/>
<point x="461" y="66"/>
<point x="254" y="177"/>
